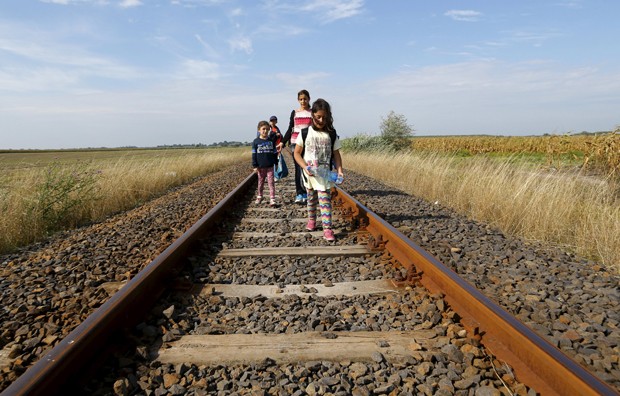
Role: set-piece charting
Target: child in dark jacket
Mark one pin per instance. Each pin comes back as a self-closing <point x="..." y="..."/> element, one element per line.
<point x="264" y="157"/>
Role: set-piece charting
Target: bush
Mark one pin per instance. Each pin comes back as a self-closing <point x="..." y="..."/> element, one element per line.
<point x="363" y="142"/>
<point x="395" y="131"/>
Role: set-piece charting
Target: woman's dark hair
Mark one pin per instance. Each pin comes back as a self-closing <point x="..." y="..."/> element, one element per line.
<point x="303" y="92"/>
<point x="321" y="104"/>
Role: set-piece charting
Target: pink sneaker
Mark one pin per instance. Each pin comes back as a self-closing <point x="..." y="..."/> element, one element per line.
<point x="328" y="235"/>
<point x="311" y="226"/>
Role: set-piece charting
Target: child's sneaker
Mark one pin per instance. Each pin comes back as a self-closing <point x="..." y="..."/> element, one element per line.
<point x="272" y="203"/>
<point x="328" y="235"/>
<point x="304" y="198"/>
<point x="299" y="198"/>
<point x="259" y="199"/>
<point x="311" y="226"/>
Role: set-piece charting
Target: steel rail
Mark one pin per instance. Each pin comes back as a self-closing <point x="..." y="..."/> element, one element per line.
<point x="50" y="373"/>
<point x="535" y="361"/>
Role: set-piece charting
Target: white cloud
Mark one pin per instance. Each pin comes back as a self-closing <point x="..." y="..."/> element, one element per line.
<point x="130" y="3"/>
<point x="301" y="80"/>
<point x="519" y="98"/>
<point x="325" y="10"/>
<point x="35" y="80"/>
<point x="207" y="47"/>
<point x="464" y="15"/>
<point x="198" y="70"/>
<point x="197" y="3"/>
<point x="241" y="44"/>
<point x="574" y="4"/>
<point x="53" y="65"/>
<point x="342" y="9"/>
<point x="67" y="2"/>
<point x="236" y="12"/>
<point x="535" y="38"/>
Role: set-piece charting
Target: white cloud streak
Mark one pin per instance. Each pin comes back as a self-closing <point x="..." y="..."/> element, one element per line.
<point x="464" y="15"/>
<point x="326" y="11"/>
<point x="67" y="2"/>
<point x="130" y="3"/>
<point x="192" y="69"/>
<point x="241" y="44"/>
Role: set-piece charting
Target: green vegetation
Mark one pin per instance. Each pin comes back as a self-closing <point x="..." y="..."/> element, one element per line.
<point x="61" y="191"/>
<point x="395" y="131"/>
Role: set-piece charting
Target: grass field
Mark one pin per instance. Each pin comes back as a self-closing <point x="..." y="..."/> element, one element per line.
<point x="565" y="207"/>
<point x="557" y="196"/>
<point x="42" y="192"/>
<point x="16" y="161"/>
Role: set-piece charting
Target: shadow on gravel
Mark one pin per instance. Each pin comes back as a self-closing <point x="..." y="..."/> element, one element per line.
<point x="377" y="193"/>
<point x="402" y="217"/>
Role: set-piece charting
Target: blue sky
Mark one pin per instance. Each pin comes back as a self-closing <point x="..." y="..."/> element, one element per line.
<point x="110" y="73"/>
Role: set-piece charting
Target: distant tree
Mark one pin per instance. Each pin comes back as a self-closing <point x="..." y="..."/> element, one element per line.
<point x="395" y="131"/>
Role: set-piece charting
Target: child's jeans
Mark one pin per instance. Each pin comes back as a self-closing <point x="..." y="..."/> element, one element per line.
<point x="262" y="173"/>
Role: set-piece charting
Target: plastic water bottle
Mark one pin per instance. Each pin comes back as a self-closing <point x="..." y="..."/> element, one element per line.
<point x="334" y="177"/>
<point x="322" y="172"/>
<point x="313" y="170"/>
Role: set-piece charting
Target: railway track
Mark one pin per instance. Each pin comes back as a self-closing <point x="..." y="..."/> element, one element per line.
<point x="250" y="303"/>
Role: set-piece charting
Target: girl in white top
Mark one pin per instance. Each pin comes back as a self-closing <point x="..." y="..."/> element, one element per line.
<point x="314" y="155"/>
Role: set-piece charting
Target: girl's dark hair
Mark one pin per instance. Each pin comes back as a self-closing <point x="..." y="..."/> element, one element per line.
<point x="303" y="92"/>
<point x="321" y="104"/>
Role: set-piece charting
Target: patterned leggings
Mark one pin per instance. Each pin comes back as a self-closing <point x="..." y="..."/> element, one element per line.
<point x="325" y="205"/>
<point x="268" y="173"/>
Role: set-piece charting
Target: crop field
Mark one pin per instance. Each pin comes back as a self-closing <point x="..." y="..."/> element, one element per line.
<point x="598" y="153"/>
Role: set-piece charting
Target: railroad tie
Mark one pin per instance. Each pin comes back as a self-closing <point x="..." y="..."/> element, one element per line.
<point x="359" y="346"/>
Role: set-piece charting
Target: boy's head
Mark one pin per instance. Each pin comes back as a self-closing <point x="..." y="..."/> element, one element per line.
<point x="262" y="123"/>
<point x="273" y="120"/>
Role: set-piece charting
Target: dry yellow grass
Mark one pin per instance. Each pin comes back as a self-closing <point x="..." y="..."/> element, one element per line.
<point x="572" y="210"/>
<point x="73" y="192"/>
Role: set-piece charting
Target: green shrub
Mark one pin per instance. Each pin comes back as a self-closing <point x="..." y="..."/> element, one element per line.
<point x="363" y="142"/>
<point x="395" y="131"/>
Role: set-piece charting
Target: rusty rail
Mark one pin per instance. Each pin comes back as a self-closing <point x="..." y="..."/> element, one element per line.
<point x="73" y="353"/>
<point x="535" y="361"/>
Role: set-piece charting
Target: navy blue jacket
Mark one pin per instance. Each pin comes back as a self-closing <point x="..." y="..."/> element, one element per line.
<point x="264" y="153"/>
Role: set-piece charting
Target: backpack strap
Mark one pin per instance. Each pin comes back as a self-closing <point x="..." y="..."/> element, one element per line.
<point x="304" y="134"/>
